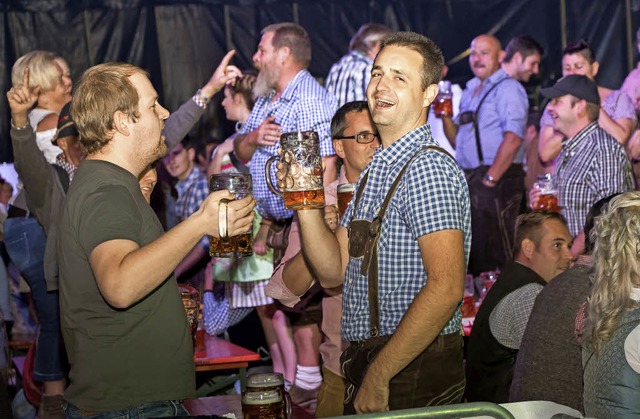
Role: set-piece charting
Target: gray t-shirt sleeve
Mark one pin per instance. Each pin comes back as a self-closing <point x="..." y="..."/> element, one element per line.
<point x="509" y="318"/>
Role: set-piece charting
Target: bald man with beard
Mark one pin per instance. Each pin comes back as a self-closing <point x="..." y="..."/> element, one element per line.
<point x="487" y="134"/>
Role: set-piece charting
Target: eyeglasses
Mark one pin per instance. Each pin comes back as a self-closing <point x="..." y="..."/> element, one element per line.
<point x="363" y="137"/>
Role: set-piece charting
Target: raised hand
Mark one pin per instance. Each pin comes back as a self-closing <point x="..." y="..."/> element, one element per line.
<point x="21" y="99"/>
<point x="223" y="74"/>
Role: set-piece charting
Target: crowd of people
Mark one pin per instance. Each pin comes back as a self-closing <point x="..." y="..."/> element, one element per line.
<point x="360" y="312"/>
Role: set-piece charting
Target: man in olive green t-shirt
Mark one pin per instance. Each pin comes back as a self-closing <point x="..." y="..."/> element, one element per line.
<point x="122" y="318"/>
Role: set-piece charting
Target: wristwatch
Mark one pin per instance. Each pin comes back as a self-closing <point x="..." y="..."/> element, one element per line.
<point x="490" y="180"/>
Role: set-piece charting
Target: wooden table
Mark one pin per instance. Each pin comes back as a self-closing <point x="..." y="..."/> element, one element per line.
<point x="221" y="405"/>
<point x="218" y="354"/>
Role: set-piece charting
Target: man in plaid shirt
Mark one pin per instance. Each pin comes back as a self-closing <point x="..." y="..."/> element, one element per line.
<point x="592" y="164"/>
<point x="423" y="246"/>
<point x="289" y="99"/>
<point x="192" y="190"/>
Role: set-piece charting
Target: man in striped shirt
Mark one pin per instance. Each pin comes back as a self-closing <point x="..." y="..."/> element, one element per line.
<point x="592" y="164"/>
<point x="348" y="78"/>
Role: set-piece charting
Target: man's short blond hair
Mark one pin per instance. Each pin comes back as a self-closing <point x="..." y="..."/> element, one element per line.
<point x="43" y="71"/>
<point x="102" y="91"/>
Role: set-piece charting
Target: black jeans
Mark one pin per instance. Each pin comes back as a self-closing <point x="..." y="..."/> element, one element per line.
<point x="435" y="377"/>
<point x="493" y="217"/>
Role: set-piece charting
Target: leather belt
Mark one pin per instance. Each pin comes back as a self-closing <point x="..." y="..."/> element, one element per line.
<point x="17" y="212"/>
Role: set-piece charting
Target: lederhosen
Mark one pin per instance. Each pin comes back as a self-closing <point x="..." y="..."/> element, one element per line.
<point x="363" y="242"/>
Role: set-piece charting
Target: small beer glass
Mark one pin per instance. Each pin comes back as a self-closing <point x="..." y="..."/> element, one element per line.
<point x="236" y="246"/>
<point x="443" y="103"/>
<point x="345" y="194"/>
<point x="548" y="199"/>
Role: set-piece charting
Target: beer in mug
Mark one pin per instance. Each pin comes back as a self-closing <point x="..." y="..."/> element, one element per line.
<point x="299" y="171"/>
<point x="236" y="246"/>
<point x="443" y="103"/>
<point x="345" y="193"/>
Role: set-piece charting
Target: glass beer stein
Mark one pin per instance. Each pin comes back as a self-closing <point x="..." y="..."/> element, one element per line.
<point x="237" y="246"/>
<point x="270" y="381"/>
<point x="345" y="193"/>
<point x="262" y="405"/>
<point x="299" y="171"/>
<point x="548" y="199"/>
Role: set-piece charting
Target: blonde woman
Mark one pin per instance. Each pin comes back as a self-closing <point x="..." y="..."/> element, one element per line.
<point x="611" y="339"/>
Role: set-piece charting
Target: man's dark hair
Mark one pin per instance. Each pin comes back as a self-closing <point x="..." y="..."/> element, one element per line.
<point x="580" y="47"/>
<point x="432" y="58"/>
<point x="339" y="120"/>
<point x="529" y="226"/>
<point x="595" y="211"/>
<point x="525" y="45"/>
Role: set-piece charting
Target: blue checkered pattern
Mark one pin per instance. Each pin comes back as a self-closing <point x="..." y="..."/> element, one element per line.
<point x="303" y="106"/>
<point x="348" y="78"/>
<point x="592" y="165"/>
<point x="218" y="316"/>
<point x="504" y="109"/>
<point x="432" y="196"/>
<point x="191" y="192"/>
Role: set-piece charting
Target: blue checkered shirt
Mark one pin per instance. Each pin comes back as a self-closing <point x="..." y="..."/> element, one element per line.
<point x="348" y="78"/>
<point x="504" y="109"/>
<point x="191" y="192"/>
<point x="303" y="106"/>
<point x="432" y="196"/>
<point x="592" y="165"/>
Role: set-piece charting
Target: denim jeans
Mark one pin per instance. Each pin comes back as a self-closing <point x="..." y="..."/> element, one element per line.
<point x="163" y="409"/>
<point x="25" y="242"/>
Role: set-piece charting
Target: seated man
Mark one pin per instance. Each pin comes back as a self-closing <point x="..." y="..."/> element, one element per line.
<point x="549" y="365"/>
<point x="542" y="251"/>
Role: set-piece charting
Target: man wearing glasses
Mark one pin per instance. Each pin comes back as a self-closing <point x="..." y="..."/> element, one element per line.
<point x="355" y="138"/>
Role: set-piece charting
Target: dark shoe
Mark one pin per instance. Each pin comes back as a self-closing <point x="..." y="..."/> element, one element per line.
<point x="304" y="398"/>
<point x="51" y="407"/>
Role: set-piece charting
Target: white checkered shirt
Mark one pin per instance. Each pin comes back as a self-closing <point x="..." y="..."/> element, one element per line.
<point x="432" y="196"/>
<point x="592" y="165"/>
<point x="348" y="78"/>
<point x="303" y="106"/>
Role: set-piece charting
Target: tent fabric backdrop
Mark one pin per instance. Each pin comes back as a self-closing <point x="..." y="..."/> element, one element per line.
<point x="180" y="42"/>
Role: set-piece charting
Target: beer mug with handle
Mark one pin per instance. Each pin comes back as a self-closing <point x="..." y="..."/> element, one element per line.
<point x="239" y="184"/>
<point x="299" y="171"/>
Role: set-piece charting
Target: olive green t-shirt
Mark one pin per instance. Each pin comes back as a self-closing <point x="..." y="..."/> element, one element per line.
<point x="120" y="358"/>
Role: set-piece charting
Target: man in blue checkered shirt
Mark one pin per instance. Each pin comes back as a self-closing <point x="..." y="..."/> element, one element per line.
<point x="289" y="99"/>
<point x="423" y="248"/>
<point x="192" y="189"/>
